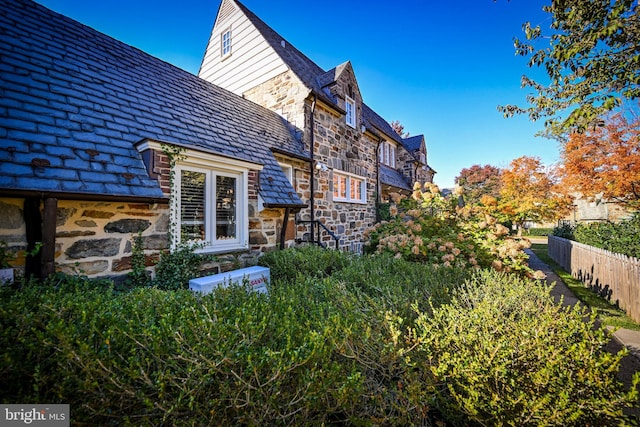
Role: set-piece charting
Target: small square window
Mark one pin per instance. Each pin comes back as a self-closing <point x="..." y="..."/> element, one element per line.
<point x="225" y="43"/>
<point x="350" y="109"/>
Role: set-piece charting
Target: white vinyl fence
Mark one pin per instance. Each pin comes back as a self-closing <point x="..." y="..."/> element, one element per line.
<point x="614" y="276"/>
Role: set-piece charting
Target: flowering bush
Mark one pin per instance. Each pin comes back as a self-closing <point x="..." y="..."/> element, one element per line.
<point x="430" y="228"/>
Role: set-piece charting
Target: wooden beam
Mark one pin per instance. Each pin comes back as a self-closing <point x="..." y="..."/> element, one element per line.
<point x="49" y="237"/>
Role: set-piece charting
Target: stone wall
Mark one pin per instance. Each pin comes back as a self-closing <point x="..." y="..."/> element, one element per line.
<point x="93" y="238"/>
<point x="337" y="145"/>
<point x="12" y="228"/>
<point x="284" y="94"/>
<point x="343" y="148"/>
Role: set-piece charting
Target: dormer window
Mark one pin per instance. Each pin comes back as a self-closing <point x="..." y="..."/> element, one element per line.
<point x="350" y="108"/>
<point x="225" y="43"/>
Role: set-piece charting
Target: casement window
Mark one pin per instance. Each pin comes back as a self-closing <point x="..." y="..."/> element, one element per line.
<point x="349" y="188"/>
<point x="288" y="171"/>
<point x="350" y="108"/>
<point x="225" y="43"/>
<point x="211" y="207"/>
<point x="387" y="154"/>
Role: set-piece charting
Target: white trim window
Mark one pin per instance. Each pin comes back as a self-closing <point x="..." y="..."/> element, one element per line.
<point x="225" y="43"/>
<point x="350" y="111"/>
<point x="211" y="206"/>
<point x="387" y="154"/>
<point x="349" y="188"/>
<point x="288" y="171"/>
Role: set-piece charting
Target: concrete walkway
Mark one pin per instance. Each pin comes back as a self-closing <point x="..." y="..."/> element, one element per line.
<point x="626" y="337"/>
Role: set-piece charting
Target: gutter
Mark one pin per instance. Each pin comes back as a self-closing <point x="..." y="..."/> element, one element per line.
<point x="90" y="197"/>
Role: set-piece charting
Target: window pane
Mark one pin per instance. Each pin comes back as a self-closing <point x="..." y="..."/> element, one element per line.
<point x="356" y="189"/>
<point x="226" y="42"/>
<point x="350" y="112"/>
<point x="192" y="205"/>
<point x="225" y="208"/>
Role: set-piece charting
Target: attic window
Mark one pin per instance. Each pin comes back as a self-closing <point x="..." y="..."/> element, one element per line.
<point x="225" y="43"/>
<point x="350" y="108"/>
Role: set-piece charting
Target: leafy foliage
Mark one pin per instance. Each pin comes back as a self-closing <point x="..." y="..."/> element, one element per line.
<point x="176" y="268"/>
<point x="591" y="54"/>
<point x="530" y="193"/>
<point x="138" y="275"/>
<point x="605" y="161"/>
<point x="435" y="230"/>
<point x="564" y="230"/>
<point x="378" y="341"/>
<point x="494" y="366"/>
<point x="622" y="237"/>
<point x="399" y="129"/>
<point x="478" y="181"/>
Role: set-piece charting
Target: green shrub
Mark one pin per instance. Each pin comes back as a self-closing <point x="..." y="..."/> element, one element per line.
<point x="505" y="354"/>
<point x="436" y="230"/>
<point x="373" y="341"/>
<point x="622" y="237"/>
<point x="176" y="268"/>
<point x="307" y="261"/>
<point x="564" y="230"/>
<point x="311" y="352"/>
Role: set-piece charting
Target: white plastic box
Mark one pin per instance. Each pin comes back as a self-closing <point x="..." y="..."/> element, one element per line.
<point x="258" y="278"/>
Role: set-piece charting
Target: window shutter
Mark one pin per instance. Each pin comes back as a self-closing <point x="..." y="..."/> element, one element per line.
<point x="192" y="205"/>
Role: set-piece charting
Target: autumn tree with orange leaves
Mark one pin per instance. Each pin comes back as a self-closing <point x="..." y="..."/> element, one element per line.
<point x="605" y="162"/>
<point x="530" y="192"/>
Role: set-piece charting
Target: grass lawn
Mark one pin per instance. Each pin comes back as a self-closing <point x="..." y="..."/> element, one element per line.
<point x="608" y="314"/>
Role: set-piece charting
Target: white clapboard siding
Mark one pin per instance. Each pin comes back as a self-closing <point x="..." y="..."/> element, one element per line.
<point x="252" y="61"/>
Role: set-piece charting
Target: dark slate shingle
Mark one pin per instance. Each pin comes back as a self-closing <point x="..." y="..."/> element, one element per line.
<point x="67" y="89"/>
<point x="391" y="176"/>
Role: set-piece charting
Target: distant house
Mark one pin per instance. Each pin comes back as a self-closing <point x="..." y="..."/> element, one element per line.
<point x="100" y="141"/>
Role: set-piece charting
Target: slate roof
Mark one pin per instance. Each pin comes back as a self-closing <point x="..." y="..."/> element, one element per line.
<point x="413" y="143"/>
<point x="372" y="118"/>
<point x="74" y="102"/>
<point x="391" y="176"/>
<point x="311" y="74"/>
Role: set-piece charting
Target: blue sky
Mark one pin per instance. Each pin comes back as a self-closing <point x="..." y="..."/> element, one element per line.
<point x="439" y="67"/>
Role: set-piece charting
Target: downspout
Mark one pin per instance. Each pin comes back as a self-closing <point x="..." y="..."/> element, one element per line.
<point x="378" y="189"/>
<point x="312" y="163"/>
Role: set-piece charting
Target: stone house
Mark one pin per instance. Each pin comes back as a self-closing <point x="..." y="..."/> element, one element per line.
<point x="357" y="157"/>
<point x="100" y="142"/>
<point x="92" y="131"/>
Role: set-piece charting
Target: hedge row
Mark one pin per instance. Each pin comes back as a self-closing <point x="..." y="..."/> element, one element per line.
<point x="622" y="237"/>
<point x="338" y="340"/>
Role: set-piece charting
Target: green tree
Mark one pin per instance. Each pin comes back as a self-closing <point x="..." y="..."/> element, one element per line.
<point x="591" y="54"/>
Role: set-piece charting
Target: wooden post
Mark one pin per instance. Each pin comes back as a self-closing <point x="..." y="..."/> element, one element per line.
<point x="49" y="237"/>
<point x="33" y="225"/>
